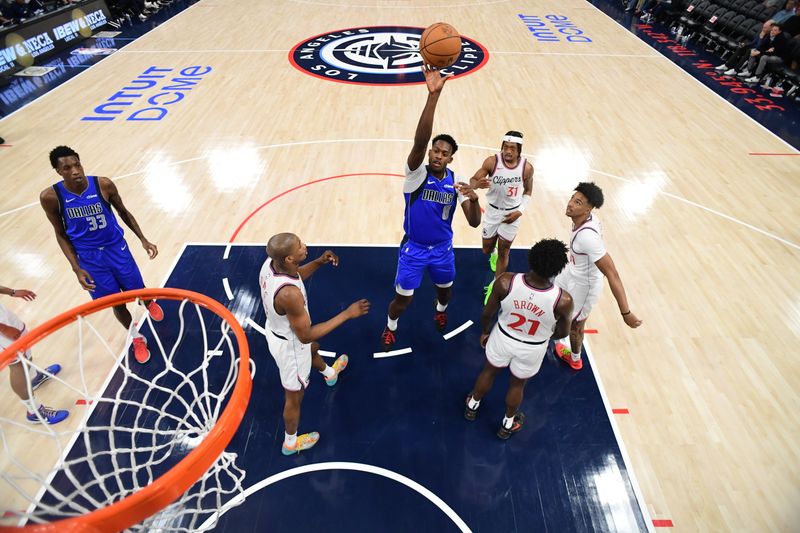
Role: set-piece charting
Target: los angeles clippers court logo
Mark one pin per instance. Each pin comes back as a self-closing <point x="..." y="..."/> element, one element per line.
<point x="376" y="55"/>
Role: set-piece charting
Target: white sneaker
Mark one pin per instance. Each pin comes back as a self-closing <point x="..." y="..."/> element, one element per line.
<point x="730" y="72"/>
<point x="744" y="74"/>
<point x="752" y="79"/>
<point x="721" y="67"/>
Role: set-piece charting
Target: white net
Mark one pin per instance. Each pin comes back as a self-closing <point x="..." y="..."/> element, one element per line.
<point x="125" y="431"/>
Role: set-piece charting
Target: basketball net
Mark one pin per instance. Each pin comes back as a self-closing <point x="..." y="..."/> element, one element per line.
<point x="134" y="444"/>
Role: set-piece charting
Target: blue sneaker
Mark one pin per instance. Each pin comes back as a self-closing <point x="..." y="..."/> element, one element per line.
<point x="339" y="365"/>
<point x="47" y="415"/>
<point x="41" y="377"/>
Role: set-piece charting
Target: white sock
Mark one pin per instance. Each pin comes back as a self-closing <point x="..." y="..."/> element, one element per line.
<point x="31" y="405"/>
<point x="508" y="422"/>
<point x="441" y="307"/>
<point x="329" y="372"/>
<point x="576" y="356"/>
<point x="391" y="323"/>
<point x="289" y="440"/>
<point x="472" y="403"/>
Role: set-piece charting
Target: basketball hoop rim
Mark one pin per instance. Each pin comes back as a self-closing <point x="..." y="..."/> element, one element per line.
<point x="168" y="487"/>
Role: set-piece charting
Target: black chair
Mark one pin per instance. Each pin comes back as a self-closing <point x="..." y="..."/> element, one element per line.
<point x="725" y="30"/>
<point x="714" y="21"/>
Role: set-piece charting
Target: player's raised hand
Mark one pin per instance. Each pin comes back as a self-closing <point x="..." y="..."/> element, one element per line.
<point x="152" y="249"/>
<point x="85" y="279"/>
<point x="357" y="309"/>
<point x="434" y="79"/>
<point x="25" y="294"/>
<point x="329" y="257"/>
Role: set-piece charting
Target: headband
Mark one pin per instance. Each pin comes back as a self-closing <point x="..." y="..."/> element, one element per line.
<point x="512" y="139"/>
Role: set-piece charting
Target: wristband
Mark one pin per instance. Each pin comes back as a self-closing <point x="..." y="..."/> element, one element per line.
<point x="524" y="203"/>
<point x="626" y="314"/>
<point x="13" y="292"/>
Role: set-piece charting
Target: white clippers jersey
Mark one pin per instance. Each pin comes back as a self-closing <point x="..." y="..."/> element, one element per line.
<point x="528" y="314"/>
<point x="271" y="282"/>
<point x="585" y="247"/>
<point x="505" y="191"/>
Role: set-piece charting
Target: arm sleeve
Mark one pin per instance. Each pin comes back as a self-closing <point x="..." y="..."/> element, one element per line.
<point x="414" y="178"/>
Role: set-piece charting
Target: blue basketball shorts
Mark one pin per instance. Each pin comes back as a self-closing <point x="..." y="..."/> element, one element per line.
<point x="413" y="259"/>
<point x="112" y="268"/>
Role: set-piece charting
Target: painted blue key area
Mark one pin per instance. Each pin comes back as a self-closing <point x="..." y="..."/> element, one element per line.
<point x="562" y="472"/>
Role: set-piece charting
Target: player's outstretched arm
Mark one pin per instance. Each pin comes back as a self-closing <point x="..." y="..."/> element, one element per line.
<point x="435" y="82"/>
<point x="25" y="294"/>
<point x="309" y="268"/>
<point x="480" y="180"/>
<point x="609" y="270"/>
<point x="471" y="205"/>
<point x="110" y="192"/>
<point x="499" y="291"/>
<point x="50" y="205"/>
<point x="563" y="316"/>
<point x="290" y="300"/>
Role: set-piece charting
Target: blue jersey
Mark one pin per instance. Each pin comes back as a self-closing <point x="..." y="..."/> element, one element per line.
<point x="87" y="217"/>
<point x="430" y="204"/>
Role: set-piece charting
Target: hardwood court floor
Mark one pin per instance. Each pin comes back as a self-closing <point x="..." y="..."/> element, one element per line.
<point x="704" y="234"/>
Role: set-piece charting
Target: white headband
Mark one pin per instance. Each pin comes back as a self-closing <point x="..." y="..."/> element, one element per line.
<point x="512" y="139"/>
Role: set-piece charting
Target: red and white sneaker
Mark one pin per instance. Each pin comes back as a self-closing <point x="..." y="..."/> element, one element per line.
<point x="565" y="354"/>
<point x="156" y="313"/>
<point x="140" y="351"/>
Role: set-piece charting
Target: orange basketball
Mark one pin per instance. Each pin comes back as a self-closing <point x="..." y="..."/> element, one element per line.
<point x="440" y="45"/>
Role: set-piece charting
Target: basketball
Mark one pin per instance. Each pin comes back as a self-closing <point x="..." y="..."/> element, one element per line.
<point x="440" y="45"/>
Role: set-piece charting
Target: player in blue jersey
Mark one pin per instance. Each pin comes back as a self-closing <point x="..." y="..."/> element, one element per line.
<point x="431" y="196"/>
<point x="79" y="208"/>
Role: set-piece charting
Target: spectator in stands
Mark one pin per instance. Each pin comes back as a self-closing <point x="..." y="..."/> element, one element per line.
<point x="22" y="9"/>
<point x="770" y="54"/>
<point x="744" y="50"/>
<point x="792" y="24"/>
<point x="784" y="14"/>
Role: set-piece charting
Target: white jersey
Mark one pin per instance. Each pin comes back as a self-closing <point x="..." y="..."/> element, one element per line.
<point x="527" y="314"/>
<point x="585" y="248"/>
<point x="505" y="191"/>
<point x="272" y="281"/>
<point x="9" y="319"/>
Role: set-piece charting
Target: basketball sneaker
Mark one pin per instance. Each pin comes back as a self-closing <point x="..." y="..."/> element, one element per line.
<point x="469" y="413"/>
<point x="140" y="351"/>
<point x="487" y="292"/>
<point x="156" y="313"/>
<point x="387" y="339"/>
<point x="41" y="377"/>
<point x="516" y="425"/>
<point x="565" y="354"/>
<point x="439" y="317"/>
<point x="338" y="365"/>
<point x="493" y="260"/>
<point x="47" y="415"/>
<point x="303" y="442"/>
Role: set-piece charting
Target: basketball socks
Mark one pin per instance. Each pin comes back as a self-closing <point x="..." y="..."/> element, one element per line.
<point x="472" y="403"/>
<point x="576" y="356"/>
<point x="508" y="422"/>
<point x="329" y="372"/>
<point x="289" y="441"/>
<point x="439" y="307"/>
<point x="391" y="323"/>
<point x="31" y="405"/>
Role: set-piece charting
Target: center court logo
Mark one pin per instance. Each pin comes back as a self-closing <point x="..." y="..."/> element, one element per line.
<point x="376" y="55"/>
